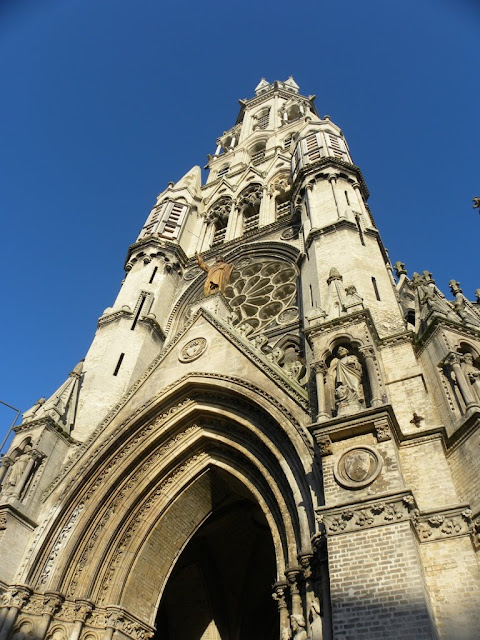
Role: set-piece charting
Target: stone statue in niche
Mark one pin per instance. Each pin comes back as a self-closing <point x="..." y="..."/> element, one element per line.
<point x="218" y="274"/>
<point x="18" y="468"/>
<point x="346" y="372"/>
<point x="297" y="622"/>
<point x="315" y="618"/>
<point x="472" y="373"/>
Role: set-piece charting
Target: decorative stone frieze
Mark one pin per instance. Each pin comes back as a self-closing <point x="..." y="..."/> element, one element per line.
<point x="381" y="511"/>
<point x="449" y="523"/>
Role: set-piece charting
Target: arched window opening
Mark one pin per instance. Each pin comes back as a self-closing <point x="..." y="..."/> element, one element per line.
<point x="218" y="216"/>
<point x="280" y="188"/>
<point x="261" y="118"/>
<point x="293" y="112"/>
<point x="249" y="205"/>
<point x="257" y="152"/>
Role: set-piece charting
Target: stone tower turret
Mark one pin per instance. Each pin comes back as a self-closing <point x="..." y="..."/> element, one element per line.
<point x="265" y="403"/>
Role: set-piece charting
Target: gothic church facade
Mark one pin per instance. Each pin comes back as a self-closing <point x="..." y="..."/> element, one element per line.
<point x="274" y="434"/>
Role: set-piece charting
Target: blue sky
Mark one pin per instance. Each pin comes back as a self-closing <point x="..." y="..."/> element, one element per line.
<point x="105" y="101"/>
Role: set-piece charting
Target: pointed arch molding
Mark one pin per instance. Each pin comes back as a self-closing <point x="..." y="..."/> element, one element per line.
<point x="110" y="506"/>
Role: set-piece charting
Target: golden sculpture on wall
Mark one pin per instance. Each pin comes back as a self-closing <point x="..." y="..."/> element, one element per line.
<point x="218" y="274"/>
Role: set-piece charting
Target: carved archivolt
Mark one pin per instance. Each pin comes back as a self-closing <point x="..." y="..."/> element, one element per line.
<point x="144" y="473"/>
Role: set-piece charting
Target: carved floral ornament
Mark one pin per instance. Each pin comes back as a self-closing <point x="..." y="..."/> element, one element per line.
<point x="192" y="350"/>
<point x="358" y="467"/>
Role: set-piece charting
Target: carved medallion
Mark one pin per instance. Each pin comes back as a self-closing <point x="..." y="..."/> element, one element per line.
<point x="358" y="467"/>
<point x="288" y="315"/>
<point x="192" y="350"/>
<point x="192" y="273"/>
<point x="289" y="233"/>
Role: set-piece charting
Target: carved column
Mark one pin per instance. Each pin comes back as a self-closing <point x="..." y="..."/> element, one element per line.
<point x="333" y="181"/>
<point x="51" y="603"/>
<point x="319" y="564"/>
<point x="202" y="233"/>
<point x="18" y="597"/>
<point x="6" y="464"/>
<point x="114" y="618"/>
<point x="361" y="204"/>
<point x="279" y="589"/>
<point x="369" y="355"/>
<point x="293" y="574"/>
<point x="320" y="369"/>
<point x="305" y="560"/>
<point x="453" y="361"/>
<point x="264" y="215"/>
<point x="82" y="609"/>
<point x="232" y="223"/>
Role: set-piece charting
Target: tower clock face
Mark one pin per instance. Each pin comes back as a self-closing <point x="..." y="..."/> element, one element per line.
<point x="263" y="293"/>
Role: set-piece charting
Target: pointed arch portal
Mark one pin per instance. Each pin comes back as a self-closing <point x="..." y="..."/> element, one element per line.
<point x="220" y="587"/>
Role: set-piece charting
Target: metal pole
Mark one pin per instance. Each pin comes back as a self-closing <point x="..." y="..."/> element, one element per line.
<point x="11" y="426"/>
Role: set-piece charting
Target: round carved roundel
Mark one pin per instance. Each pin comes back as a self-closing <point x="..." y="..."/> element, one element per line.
<point x="192" y="350"/>
<point x="358" y="467"/>
<point x="263" y="293"/>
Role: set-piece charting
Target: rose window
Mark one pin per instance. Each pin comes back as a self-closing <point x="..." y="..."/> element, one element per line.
<point x="263" y="293"/>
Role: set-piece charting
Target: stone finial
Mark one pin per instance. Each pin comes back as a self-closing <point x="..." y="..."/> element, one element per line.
<point x="400" y="268"/>
<point x="428" y="277"/>
<point x="334" y="275"/>
<point x="454" y="287"/>
<point x="477" y="295"/>
<point x="476" y="202"/>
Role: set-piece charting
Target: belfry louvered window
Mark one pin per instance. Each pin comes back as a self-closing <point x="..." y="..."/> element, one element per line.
<point x="165" y="220"/>
<point x="172" y="220"/>
<point x="336" y="146"/>
<point x="262" y="121"/>
<point x="313" y="147"/>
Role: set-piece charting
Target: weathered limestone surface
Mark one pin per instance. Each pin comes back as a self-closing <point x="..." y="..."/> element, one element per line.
<point x="308" y="431"/>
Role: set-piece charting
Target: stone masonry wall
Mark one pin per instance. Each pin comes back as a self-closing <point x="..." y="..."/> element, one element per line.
<point x="377" y="586"/>
<point x="454" y="586"/>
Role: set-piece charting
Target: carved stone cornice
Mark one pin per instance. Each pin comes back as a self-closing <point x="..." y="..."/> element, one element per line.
<point x="357" y="317"/>
<point x="446" y="523"/>
<point x="112" y="317"/>
<point x="54" y="605"/>
<point x="151" y="242"/>
<point x="380" y="511"/>
<point x="151" y="322"/>
<point x="48" y="423"/>
<point x="313" y="167"/>
<point x="436" y="324"/>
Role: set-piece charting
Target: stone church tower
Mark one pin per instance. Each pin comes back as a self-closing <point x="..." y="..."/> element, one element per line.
<point x="279" y="415"/>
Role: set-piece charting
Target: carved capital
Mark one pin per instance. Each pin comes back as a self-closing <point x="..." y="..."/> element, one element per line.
<point x="382" y="430"/>
<point x="17" y="596"/>
<point x="452" y="359"/>
<point x="319" y="367"/>
<point x="52" y="601"/>
<point x="81" y="610"/>
<point x="305" y="560"/>
<point x="279" y="589"/>
<point x="367" y="351"/>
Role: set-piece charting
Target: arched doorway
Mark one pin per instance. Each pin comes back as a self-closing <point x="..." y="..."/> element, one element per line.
<point x="221" y="585"/>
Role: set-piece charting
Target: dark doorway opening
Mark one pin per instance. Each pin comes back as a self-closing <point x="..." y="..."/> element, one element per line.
<point x="221" y="586"/>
